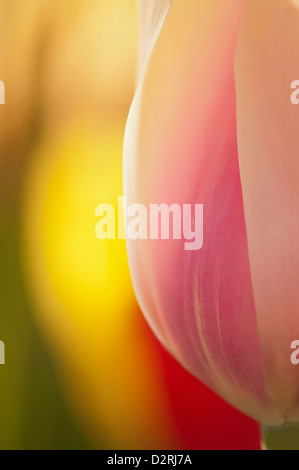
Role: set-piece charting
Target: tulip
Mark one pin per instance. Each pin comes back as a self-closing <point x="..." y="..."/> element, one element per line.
<point x="212" y="123"/>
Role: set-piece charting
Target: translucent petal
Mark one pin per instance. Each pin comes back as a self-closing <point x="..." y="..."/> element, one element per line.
<point x="268" y="127"/>
<point x="181" y="147"/>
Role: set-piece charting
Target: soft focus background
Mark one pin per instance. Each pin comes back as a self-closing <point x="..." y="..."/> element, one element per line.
<point x="83" y="369"/>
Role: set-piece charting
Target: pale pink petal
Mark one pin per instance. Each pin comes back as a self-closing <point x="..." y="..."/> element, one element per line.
<point x="181" y="147"/>
<point x="267" y="63"/>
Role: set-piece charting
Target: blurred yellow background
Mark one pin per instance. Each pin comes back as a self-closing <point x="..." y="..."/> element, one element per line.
<point x="69" y="71"/>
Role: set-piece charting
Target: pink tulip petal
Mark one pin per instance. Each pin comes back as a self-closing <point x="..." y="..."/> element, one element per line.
<point x="268" y="128"/>
<point x="181" y="147"/>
